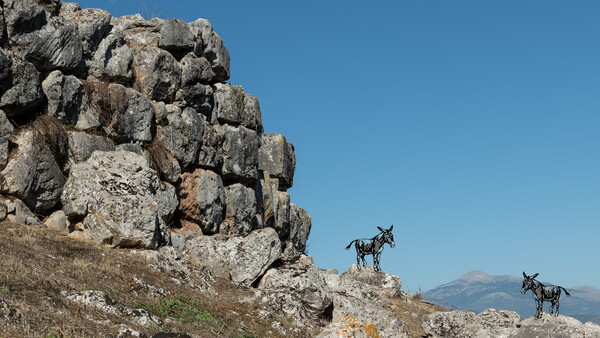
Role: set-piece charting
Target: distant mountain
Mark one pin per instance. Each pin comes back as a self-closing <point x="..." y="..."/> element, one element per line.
<point x="477" y="291"/>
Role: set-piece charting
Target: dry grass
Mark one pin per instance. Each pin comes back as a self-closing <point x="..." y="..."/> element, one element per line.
<point x="37" y="264"/>
<point x="410" y="311"/>
<point x="107" y="100"/>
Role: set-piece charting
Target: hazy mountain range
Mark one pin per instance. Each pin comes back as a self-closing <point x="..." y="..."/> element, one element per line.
<point x="477" y="291"/>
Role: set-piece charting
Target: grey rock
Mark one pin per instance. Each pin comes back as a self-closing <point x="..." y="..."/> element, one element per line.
<point x="67" y="9"/>
<point x="164" y="162"/>
<point x="24" y="89"/>
<point x="136" y="121"/>
<point x="121" y="200"/>
<point x="112" y="60"/>
<point x="195" y="72"/>
<point x="157" y="73"/>
<point x="469" y="325"/>
<point x="300" y="224"/>
<point x="195" y="69"/>
<point x="3" y="210"/>
<point x="210" y="45"/>
<point x="210" y="155"/>
<point x="303" y="282"/>
<point x="243" y="259"/>
<point x="240" y="153"/>
<point x="553" y="327"/>
<point x="58" y="220"/>
<point x="139" y="32"/>
<point x="202" y="199"/>
<point x="9" y="314"/>
<point x="6" y="130"/>
<point x="93" y="23"/>
<point x="54" y="45"/>
<point x="366" y="283"/>
<point x="175" y="35"/>
<point x="82" y="145"/>
<point x="240" y="210"/>
<point x="182" y="135"/>
<point x="65" y="95"/>
<point x="229" y="103"/>
<point x="18" y="212"/>
<point x="274" y="205"/>
<point x="51" y="6"/>
<point x="276" y="156"/>
<point x="251" y="115"/>
<point x="5" y="66"/>
<point x="22" y="17"/>
<point x="32" y="173"/>
<point x="101" y="302"/>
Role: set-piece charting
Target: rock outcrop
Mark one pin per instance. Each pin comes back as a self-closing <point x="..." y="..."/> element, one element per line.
<point x="127" y="127"/>
<point x="493" y="323"/>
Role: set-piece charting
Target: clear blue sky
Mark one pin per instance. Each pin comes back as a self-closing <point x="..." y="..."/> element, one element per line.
<point x="472" y="126"/>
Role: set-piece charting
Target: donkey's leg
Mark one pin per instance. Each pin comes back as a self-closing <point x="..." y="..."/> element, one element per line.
<point x="557" y="304"/>
<point x="539" y="307"/>
<point x="552" y="303"/>
<point x="376" y="258"/>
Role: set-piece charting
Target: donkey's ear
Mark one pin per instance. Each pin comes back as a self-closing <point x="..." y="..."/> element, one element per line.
<point x="380" y="229"/>
<point x="535" y="275"/>
<point x="391" y="227"/>
<point x="524" y="275"/>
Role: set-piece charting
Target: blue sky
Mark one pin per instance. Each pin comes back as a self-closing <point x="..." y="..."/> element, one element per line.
<point x="472" y="126"/>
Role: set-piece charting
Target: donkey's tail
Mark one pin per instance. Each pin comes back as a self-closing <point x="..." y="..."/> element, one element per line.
<point x="349" y="245"/>
<point x="565" y="290"/>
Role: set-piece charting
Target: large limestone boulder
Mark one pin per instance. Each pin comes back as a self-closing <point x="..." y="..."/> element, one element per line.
<point x="493" y="323"/>
<point x="251" y="115"/>
<point x="176" y="35"/>
<point x="181" y="135"/>
<point x="210" y="155"/>
<point x="120" y="199"/>
<point x="6" y="130"/>
<point x="358" y="295"/>
<point x="113" y="59"/>
<point x="195" y="92"/>
<point x="276" y="156"/>
<point x="300" y="224"/>
<point x="82" y="145"/>
<point x="65" y="95"/>
<point x="240" y="210"/>
<point x="202" y="199"/>
<point x="350" y="327"/>
<point x="210" y="46"/>
<point x="32" y="173"/>
<point x="240" y="153"/>
<point x="366" y="283"/>
<point x="299" y="282"/>
<point x="274" y="205"/>
<point x="93" y="23"/>
<point x="138" y="31"/>
<point x="243" y="259"/>
<point x="157" y="73"/>
<point x="229" y="103"/>
<point x="49" y="42"/>
<point x="554" y="327"/>
<point x="16" y="211"/>
<point x="23" y="89"/>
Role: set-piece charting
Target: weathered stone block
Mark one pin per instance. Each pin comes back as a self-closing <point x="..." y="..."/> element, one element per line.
<point x="210" y="45"/>
<point x="157" y="73"/>
<point x="65" y="95"/>
<point x="240" y="210"/>
<point x="202" y="199"/>
<point x="175" y="35"/>
<point x="240" y="153"/>
<point x="276" y="156"/>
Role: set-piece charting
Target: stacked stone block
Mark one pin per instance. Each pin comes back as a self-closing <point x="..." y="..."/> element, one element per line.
<point x="127" y="126"/>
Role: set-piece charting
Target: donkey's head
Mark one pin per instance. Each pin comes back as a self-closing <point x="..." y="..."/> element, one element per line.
<point x="387" y="236"/>
<point x="528" y="282"/>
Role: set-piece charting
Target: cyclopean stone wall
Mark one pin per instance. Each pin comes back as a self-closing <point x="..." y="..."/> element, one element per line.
<point x="127" y="127"/>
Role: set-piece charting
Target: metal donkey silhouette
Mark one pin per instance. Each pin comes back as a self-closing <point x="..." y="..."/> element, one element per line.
<point x="541" y="293"/>
<point x="373" y="246"/>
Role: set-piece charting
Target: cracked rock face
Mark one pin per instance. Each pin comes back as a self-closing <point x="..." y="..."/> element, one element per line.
<point x="202" y="198"/>
<point x="243" y="259"/>
<point x="32" y="173"/>
<point x="121" y="200"/>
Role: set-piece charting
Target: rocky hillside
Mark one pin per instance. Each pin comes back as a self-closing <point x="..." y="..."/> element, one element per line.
<point x="139" y="193"/>
<point x="477" y="291"/>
